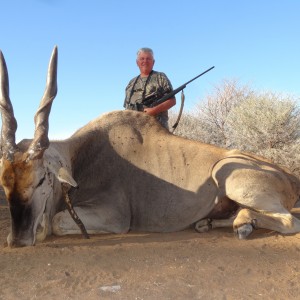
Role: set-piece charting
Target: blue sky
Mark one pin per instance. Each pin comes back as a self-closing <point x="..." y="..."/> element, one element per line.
<point x="254" y="41"/>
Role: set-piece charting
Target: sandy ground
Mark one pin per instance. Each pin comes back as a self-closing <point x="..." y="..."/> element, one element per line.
<point x="182" y="265"/>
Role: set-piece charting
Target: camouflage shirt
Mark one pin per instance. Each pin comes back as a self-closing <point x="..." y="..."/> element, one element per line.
<point x="141" y="87"/>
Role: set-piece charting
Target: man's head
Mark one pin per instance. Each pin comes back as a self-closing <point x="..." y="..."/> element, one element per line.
<point x="145" y="61"/>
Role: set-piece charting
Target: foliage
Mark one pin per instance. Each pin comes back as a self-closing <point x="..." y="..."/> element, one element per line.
<point x="235" y="116"/>
<point x="189" y="126"/>
<point x="264" y="121"/>
<point x="215" y="108"/>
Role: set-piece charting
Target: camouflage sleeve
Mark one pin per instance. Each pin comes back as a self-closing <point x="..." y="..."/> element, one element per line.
<point x="165" y="83"/>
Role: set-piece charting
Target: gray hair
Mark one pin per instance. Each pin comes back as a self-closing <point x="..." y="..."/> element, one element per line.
<point x="145" y="49"/>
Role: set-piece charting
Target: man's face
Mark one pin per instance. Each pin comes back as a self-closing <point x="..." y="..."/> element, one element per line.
<point x="145" y="63"/>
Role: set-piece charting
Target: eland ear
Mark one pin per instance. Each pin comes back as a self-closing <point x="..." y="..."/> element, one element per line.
<point x="62" y="173"/>
<point x="64" y="176"/>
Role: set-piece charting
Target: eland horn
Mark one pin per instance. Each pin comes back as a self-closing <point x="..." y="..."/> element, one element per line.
<point x="41" y="119"/>
<point x="9" y="123"/>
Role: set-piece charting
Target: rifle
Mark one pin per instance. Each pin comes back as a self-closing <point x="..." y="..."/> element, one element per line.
<point x="158" y="98"/>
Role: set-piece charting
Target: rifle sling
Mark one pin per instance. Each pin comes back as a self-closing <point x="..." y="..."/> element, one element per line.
<point x="180" y="112"/>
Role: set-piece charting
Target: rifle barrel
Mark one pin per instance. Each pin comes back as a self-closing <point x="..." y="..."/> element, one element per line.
<point x="199" y="75"/>
<point x="173" y="93"/>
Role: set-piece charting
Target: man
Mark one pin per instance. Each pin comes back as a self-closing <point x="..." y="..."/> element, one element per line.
<point x="149" y="82"/>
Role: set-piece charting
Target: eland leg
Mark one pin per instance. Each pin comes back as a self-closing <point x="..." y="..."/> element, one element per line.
<point x="264" y="209"/>
<point x="205" y="225"/>
<point x="264" y="193"/>
<point x="242" y="230"/>
<point x="283" y="222"/>
<point x="247" y="220"/>
<point x="96" y="221"/>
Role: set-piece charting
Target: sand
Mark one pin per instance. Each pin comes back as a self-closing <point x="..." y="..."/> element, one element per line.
<point x="181" y="265"/>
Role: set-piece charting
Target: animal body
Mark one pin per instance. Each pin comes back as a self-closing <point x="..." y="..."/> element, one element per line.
<point x="133" y="174"/>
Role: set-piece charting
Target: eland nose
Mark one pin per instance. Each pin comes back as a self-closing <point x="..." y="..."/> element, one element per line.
<point x="17" y="243"/>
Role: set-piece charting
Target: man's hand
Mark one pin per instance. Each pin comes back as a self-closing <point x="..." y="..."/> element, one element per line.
<point x="153" y="111"/>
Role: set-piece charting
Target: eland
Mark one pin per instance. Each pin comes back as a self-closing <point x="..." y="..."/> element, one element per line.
<point x="123" y="171"/>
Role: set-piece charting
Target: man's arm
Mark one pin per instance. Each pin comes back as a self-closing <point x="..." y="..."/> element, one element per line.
<point x="153" y="111"/>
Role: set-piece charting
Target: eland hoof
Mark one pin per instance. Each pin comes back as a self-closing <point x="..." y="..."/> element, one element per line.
<point x="203" y="225"/>
<point x="243" y="231"/>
